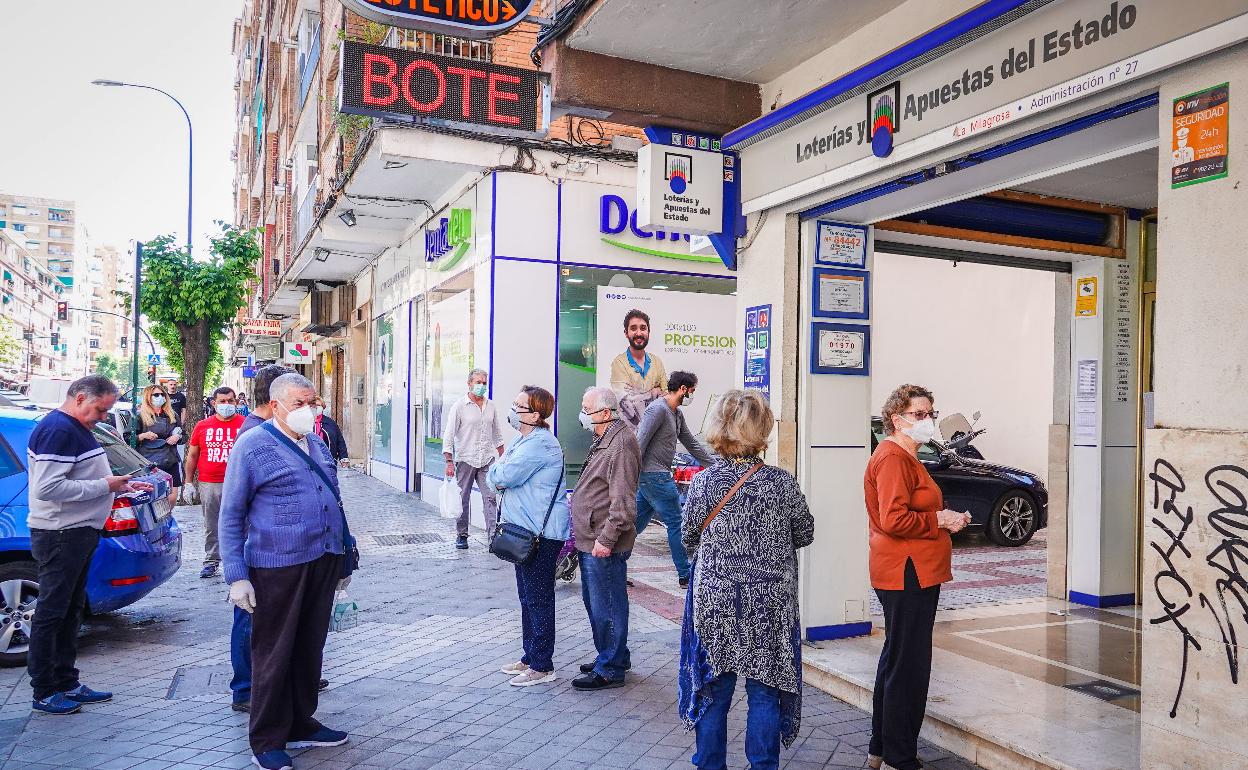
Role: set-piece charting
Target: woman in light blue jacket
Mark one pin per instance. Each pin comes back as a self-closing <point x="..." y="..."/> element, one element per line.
<point x="529" y="480"/>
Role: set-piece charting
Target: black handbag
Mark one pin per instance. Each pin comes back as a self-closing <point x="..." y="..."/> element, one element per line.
<point x="514" y="543"/>
<point x="350" y="553"/>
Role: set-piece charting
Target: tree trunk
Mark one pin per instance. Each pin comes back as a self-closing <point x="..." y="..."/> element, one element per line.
<point x="196" y="347"/>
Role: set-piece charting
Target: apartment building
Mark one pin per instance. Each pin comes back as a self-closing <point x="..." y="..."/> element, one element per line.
<point x="29" y="294"/>
<point x="47" y="228"/>
<point x="111" y="287"/>
<point x="336" y="194"/>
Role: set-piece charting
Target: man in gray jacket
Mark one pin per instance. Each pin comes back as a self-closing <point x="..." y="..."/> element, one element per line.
<point x="662" y="426"/>
<point x="71" y="496"/>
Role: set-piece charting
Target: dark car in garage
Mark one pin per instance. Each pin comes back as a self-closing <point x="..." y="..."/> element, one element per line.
<point x="1007" y="504"/>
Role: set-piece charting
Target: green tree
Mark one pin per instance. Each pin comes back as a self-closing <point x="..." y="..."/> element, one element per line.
<point x="11" y="342"/>
<point x="115" y="369"/>
<point x="191" y="302"/>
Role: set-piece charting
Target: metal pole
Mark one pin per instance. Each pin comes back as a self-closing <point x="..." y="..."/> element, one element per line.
<point x="134" y="366"/>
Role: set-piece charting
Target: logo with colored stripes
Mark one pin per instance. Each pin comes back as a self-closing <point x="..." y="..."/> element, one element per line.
<point x="883" y="118"/>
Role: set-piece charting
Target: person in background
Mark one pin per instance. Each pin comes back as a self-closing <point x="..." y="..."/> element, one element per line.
<point x="637" y="377"/>
<point x="283" y="572"/>
<point x="177" y="400"/>
<point x="243" y="408"/>
<point x="206" y="457"/>
<point x="160" y="431"/>
<point x="911" y="555"/>
<point x="71" y="495"/>
<point x="743" y="621"/>
<point x="529" y="479"/>
<point x="604" y="514"/>
<point x="471" y="440"/>
<point x="662" y="426"/>
<point x="328" y="431"/>
<point x="240" y="633"/>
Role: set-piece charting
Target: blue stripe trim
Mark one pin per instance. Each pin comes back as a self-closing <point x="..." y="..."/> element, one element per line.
<point x="992" y="153"/>
<point x="554" y="428"/>
<point x="920" y="46"/>
<point x="843" y="631"/>
<point x="1091" y="600"/>
<point x="493" y="257"/>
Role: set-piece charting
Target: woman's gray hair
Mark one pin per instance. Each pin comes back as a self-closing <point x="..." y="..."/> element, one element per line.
<point x="740" y="424"/>
<point x="603" y="398"/>
<point x="280" y="386"/>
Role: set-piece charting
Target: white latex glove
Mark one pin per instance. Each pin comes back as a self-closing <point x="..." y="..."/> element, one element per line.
<point x="243" y="595"/>
<point x="342" y="584"/>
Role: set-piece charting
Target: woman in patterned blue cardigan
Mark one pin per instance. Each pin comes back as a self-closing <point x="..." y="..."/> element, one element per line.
<point x="741" y="613"/>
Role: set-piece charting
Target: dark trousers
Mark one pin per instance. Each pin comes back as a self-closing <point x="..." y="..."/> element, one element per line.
<point x="605" y="593"/>
<point x="240" y="656"/>
<point x="63" y="558"/>
<point x="905" y="669"/>
<point x="287" y="643"/>
<point x="535" y="583"/>
<point x="762" y="725"/>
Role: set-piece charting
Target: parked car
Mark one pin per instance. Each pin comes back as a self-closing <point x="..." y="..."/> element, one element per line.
<point x="1006" y="504"/>
<point x="141" y="547"/>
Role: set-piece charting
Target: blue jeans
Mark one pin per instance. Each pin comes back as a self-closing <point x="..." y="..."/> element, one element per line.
<point x="240" y="656"/>
<point x="762" y="725"/>
<point x="656" y="493"/>
<point x="606" y="601"/>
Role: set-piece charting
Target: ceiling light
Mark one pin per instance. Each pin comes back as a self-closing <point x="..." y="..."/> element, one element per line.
<point x="348" y="217"/>
<point x="576" y="280"/>
<point x="587" y="307"/>
<point x="659" y="286"/>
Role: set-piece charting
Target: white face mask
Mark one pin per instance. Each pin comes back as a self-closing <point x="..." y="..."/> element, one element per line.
<point x="301" y="420"/>
<point x="922" y="431"/>
<point x="158" y="401"/>
<point x="318" y="410"/>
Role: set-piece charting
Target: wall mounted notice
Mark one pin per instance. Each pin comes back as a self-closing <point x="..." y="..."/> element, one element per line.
<point x="1087" y="378"/>
<point x="843" y="245"/>
<point x="1085" y="297"/>
<point x="1124" y="325"/>
<point x="841" y="293"/>
<point x="758" y="349"/>
<point x="840" y="349"/>
<point x="681" y="188"/>
<point x="1199" y="130"/>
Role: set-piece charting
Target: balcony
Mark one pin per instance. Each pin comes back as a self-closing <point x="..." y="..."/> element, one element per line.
<point x="307" y="66"/>
<point x="305" y="216"/>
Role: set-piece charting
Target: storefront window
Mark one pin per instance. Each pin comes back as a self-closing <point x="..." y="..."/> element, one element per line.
<point x="694" y="327"/>
<point x="448" y="349"/>
<point x="383" y="388"/>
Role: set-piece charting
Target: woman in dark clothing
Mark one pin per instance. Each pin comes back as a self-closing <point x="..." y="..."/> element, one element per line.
<point x="329" y="432"/>
<point x="159" y="435"/>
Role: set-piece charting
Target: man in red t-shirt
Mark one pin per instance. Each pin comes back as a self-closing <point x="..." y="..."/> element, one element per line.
<point x="207" y="455"/>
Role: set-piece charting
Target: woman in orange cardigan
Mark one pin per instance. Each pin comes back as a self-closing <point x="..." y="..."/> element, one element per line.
<point x="911" y="556"/>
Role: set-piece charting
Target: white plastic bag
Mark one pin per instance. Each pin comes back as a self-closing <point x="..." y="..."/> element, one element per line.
<point x="449" y="503"/>
<point x="346" y="613"/>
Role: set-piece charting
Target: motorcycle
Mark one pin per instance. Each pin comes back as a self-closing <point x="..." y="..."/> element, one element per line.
<point x="959" y="434"/>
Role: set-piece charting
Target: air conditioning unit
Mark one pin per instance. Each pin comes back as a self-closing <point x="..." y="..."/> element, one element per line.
<point x="342" y="302"/>
<point x="316" y="313"/>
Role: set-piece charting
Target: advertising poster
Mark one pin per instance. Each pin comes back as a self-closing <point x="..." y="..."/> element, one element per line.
<point x="758" y="349"/>
<point x="383" y="385"/>
<point x="688" y="332"/>
<point x="1198" y="136"/>
<point x="450" y="360"/>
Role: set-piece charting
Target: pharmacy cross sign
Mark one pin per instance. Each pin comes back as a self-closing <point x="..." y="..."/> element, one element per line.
<point x="464" y="18"/>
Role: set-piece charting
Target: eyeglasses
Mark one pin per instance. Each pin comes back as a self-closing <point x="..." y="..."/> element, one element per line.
<point x="919" y="414"/>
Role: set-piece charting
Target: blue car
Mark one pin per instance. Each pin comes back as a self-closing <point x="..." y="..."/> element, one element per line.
<point x="141" y="545"/>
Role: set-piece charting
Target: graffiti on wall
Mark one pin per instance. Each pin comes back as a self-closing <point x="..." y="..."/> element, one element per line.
<point x="1227" y="556"/>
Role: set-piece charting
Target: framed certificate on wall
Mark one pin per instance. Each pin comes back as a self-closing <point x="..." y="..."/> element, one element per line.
<point x="841" y="244"/>
<point x="840" y="349"/>
<point x="841" y="293"/>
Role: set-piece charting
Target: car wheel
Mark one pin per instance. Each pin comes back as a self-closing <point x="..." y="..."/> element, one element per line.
<point x="19" y="591"/>
<point x="1014" y="519"/>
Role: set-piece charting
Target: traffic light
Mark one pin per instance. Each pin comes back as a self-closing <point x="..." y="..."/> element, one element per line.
<point x="62" y="312"/>
<point x="56" y="339"/>
<point x="123" y="343"/>
<point x="28" y="335"/>
<point x="151" y="375"/>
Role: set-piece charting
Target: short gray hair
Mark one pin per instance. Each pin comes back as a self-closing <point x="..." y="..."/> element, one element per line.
<point x="277" y="390"/>
<point x="478" y="373"/>
<point x="93" y="386"/>
<point x="605" y="398"/>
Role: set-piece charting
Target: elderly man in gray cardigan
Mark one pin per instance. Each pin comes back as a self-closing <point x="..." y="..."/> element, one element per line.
<point x="282" y="543"/>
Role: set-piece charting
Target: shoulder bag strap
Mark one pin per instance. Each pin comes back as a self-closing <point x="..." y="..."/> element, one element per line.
<point x="735" y="487"/>
<point x="282" y="438"/>
<point x="554" y="498"/>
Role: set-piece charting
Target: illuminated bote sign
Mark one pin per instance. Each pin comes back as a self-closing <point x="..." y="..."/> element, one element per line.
<point x="465" y="18"/>
<point x="389" y="82"/>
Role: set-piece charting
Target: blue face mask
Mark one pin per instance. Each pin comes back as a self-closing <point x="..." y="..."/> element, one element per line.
<point x="226" y="411"/>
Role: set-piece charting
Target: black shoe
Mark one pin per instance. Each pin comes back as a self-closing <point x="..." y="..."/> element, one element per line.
<point x="593" y="681"/>
<point x="587" y="668"/>
<point x="323" y="684"/>
<point x="461" y="542"/>
<point x="684" y="582"/>
<point x="628" y="582"/>
<point x="243" y="706"/>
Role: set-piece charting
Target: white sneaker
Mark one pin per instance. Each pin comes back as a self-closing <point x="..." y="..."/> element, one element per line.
<point x="532" y="677"/>
<point x="514" y="669"/>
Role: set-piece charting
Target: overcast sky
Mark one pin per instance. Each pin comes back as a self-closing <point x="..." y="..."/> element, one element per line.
<point x="119" y="152"/>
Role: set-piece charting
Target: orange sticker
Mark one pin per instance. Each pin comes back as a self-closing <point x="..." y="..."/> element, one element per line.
<point x="1199" y="133"/>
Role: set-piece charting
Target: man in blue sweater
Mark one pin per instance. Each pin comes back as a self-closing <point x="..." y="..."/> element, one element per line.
<point x="282" y="544"/>
<point x="71" y="496"/>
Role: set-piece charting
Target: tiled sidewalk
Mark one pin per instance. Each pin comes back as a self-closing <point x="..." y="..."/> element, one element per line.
<point x="415" y="683"/>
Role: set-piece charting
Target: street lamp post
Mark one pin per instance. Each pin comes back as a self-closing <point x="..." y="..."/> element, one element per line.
<point x="190" y="150"/>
